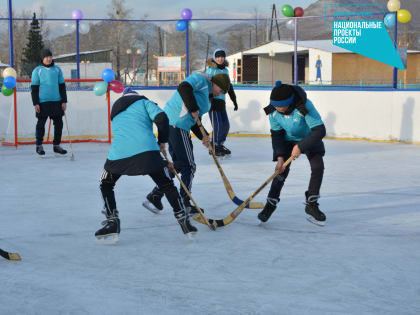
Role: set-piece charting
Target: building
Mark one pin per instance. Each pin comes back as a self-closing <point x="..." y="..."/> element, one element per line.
<point x="319" y="61"/>
<point x="92" y="63"/>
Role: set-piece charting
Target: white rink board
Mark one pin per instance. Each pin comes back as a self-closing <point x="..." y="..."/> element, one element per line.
<point x="375" y="115"/>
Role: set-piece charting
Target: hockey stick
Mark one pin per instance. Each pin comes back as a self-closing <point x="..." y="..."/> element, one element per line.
<point x="229" y="189"/>
<point x="201" y="214"/>
<point x="68" y="133"/>
<point x="9" y="256"/>
<point x="234" y="214"/>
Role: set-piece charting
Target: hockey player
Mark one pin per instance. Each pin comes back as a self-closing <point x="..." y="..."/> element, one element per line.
<point x="296" y="127"/>
<point x="218" y="115"/>
<point x="134" y="151"/>
<point x="50" y="100"/>
<point x="191" y="100"/>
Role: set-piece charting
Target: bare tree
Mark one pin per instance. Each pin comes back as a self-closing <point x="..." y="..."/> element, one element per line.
<point x="118" y="11"/>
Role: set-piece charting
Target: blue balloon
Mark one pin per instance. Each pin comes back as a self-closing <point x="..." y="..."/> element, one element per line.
<point x="389" y="20"/>
<point x="181" y="25"/>
<point x="9" y="82"/>
<point x="108" y="75"/>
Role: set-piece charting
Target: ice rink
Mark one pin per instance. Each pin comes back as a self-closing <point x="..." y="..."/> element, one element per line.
<point x="366" y="260"/>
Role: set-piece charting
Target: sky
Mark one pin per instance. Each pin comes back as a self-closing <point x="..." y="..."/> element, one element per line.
<point x="164" y="9"/>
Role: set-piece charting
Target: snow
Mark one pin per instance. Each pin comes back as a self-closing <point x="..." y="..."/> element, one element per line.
<point x="366" y="260"/>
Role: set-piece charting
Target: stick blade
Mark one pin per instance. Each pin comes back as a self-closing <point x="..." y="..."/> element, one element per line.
<point x="14" y="256"/>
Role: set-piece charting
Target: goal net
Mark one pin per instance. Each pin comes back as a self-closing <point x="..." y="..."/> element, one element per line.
<point x="87" y="115"/>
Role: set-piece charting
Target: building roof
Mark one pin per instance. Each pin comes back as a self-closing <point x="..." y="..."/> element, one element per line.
<point x="285" y="46"/>
<point x="81" y="53"/>
<point x="4" y="65"/>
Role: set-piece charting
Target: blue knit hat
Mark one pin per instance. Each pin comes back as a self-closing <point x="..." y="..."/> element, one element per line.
<point x="129" y="90"/>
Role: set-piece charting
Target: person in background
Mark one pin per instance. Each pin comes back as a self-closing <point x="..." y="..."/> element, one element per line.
<point x="49" y="97"/>
<point x="218" y="115"/>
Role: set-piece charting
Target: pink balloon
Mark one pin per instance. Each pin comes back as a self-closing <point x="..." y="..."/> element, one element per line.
<point x="116" y="86"/>
<point x="298" y="12"/>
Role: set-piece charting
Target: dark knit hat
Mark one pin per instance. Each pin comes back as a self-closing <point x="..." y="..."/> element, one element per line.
<point x="282" y="95"/>
<point x="219" y="53"/>
<point x="222" y="81"/>
<point x="45" y="53"/>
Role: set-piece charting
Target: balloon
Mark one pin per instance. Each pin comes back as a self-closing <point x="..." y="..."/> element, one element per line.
<point x="393" y="5"/>
<point x="100" y="88"/>
<point x="181" y="25"/>
<point x="389" y="20"/>
<point x="77" y="14"/>
<point x="287" y="10"/>
<point x="69" y="27"/>
<point x="9" y="72"/>
<point x="195" y="25"/>
<point x="298" y="12"/>
<point x="84" y="28"/>
<point x="108" y="75"/>
<point x="5" y="91"/>
<point x="290" y="25"/>
<point x="186" y="14"/>
<point x="116" y="86"/>
<point x="403" y="16"/>
<point x="9" y="82"/>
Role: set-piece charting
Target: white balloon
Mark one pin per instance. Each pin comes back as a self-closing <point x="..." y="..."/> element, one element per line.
<point x="290" y="24"/>
<point x="9" y="72"/>
<point x="84" y="28"/>
<point x="195" y="25"/>
<point x="393" y="5"/>
<point x="69" y="26"/>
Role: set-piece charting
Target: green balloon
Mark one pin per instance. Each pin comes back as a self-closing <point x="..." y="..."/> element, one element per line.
<point x="100" y="88"/>
<point x="287" y="10"/>
<point x="5" y="91"/>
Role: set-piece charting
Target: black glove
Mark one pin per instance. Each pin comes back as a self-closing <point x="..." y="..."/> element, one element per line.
<point x="235" y="108"/>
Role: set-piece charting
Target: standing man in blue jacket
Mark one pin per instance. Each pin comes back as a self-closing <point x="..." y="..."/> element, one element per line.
<point x="218" y="114"/>
<point x="134" y="151"/>
<point x="48" y="90"/>
<point x="191" y="101"/>
<point x="296" y="128"/>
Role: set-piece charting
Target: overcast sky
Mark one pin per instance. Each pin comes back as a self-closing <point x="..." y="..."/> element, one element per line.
<point x="161" y="9"/>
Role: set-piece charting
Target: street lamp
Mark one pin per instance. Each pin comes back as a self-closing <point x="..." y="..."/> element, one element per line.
<point x="133" y="53"/>
<point x="85" y="63"/>
<point x="272" y="54"/>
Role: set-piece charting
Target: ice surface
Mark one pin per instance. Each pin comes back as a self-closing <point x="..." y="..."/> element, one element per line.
<point x="366" y="260"/>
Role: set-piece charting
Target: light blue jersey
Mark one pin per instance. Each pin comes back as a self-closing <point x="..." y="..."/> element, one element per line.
<point x="48" y="80"/>
<point x="296" y="125"/>
<point x="178" y="113"/>
<point x="213" y="71"/>
<point x="133" y="130"/>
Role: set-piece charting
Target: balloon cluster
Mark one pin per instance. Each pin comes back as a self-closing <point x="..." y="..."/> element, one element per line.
<point x="9" y="82"/>
<point x="71" y="27"/>
<point x="403" y="16"/>
<point x="186" y="15"/>
<point x="288" y="11"/>
<point x="108" y="78"/>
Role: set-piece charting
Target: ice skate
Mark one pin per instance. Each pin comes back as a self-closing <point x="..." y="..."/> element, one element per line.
<point x="110" y="233"/>
<point x="313" y="214"/>
<point x="59" y="151"/>
<point x="40" y="150"/>
<point x="154" y="202"/>
<point x="184" y="221"/>
<point x="266" y="213"/>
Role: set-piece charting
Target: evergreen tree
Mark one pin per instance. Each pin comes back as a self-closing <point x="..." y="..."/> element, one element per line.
<point x="32" y="52"/>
